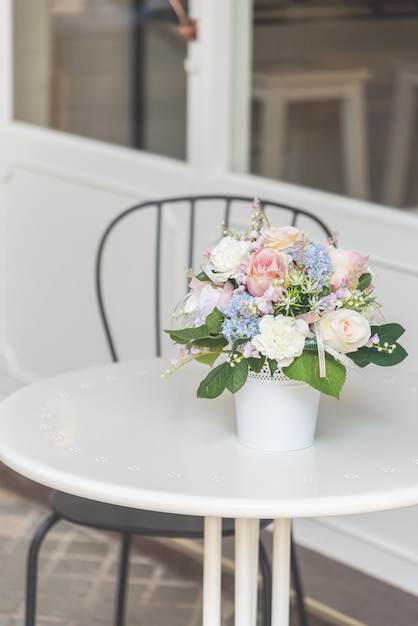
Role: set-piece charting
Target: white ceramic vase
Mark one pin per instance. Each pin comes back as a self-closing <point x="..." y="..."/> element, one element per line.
<point x="276" y="413"/>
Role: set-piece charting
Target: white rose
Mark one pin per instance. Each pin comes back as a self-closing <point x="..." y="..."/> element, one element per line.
<point x="227" y="256"/>
<point x="344" y="330"/>
<point x="281" y="338"/>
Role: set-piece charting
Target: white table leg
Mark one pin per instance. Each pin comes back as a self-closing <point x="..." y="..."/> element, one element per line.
<point x="212" y="564"/>
<point x="246" y="571"/>
<point x="281" y="573"/>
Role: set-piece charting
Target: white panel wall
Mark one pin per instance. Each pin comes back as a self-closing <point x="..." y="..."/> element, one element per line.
<point x="53" y="217"/>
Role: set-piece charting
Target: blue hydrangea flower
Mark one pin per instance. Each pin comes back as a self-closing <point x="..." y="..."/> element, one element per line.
<point x="242" y="318"/>
<point x="315" y="261"/>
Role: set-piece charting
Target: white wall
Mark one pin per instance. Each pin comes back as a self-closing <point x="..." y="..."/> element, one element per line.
<point x="53" y="217"/>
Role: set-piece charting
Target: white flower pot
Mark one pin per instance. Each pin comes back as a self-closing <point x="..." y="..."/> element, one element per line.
<point x="276" y="413"/>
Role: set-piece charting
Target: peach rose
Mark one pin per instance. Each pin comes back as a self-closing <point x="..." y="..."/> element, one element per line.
<point x="348" y="267"/>
<point x="266" y="265"/>
<point x="344" y="330"/>
<point x="281" y="238"/>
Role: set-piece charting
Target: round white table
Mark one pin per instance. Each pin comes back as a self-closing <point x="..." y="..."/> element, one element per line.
<point x="122" y="434"/>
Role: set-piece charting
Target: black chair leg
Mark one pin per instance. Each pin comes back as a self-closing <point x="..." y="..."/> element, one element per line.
<point x="297" y="582"/>
<point x="265" y="568"/>
<point x="32" y="567"/>
<point x="123" y="574"/>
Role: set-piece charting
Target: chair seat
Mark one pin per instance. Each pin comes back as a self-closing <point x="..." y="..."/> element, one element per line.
<point x="126" y="519"/>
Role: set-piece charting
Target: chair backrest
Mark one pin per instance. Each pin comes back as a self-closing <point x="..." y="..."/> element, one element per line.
<point x="230" y="209"/>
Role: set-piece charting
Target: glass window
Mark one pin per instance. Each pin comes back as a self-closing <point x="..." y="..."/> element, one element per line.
<point x="335" y="96"/>
<point x="110" y="70"/>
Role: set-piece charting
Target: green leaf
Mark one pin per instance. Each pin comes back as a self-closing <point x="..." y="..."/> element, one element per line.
<point x="272" y="366"/>
<point x="306" y="369"/>
<point x="214" y="321"/>
<point x="215" y="343"/>
<point x="203" y="277"/>
<point x="186" y="335"/>
<point x="237" y="376"/>
<point x="215" y="382"/>
<point x="360" y="356"/>
<point x="364" y="281"/>
<point x="208" y="358"/>
<point x="256" y="364"/>
<point x="364" y="356"/>
<point x="388" y="332"/>
<point x="385" y="359"/>
<point x="211" y="327"/>
<point x="235" y="348"/>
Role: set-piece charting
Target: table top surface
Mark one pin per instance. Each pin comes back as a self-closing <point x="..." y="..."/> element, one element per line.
<point x="122" y="434"/>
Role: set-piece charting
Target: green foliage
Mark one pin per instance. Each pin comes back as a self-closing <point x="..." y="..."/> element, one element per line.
<point x="306" y="369"/>
<point x="207" y="335"/>
<point x="386" y="352"/>
<point x="203" y="277"/>
<point x="213" y="343"/>
<point x="186" y="335"/>
<point x="214" y="321"/>
<point x="272" y="366"/>
<point x="388" y="332"/>
<point x="207" y="358"/>
<point x="237" y="376"/>
<point x="232" y="374"/>
<point x="215" y="382"/>
<point x="256" y="364"/>
<point x="365" y="281"/>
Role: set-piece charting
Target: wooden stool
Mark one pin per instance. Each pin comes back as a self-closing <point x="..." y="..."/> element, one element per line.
<point x="277" y="91"/>
<point x="401" y="134"/>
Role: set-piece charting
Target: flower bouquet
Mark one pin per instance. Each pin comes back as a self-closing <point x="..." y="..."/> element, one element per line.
<point x="273" y="297"/>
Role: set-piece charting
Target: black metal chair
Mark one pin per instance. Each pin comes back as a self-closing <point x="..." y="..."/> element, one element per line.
<point x="125" y="520"/>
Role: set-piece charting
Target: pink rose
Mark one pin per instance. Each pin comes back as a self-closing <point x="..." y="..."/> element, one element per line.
<point x="266" y="266"/>
<point x="281" y="238"/>
<point x="348" y="267"/>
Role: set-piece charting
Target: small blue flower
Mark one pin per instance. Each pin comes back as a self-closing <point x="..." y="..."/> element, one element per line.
<point x="242" y="318"/>
<point x="314" y="260"/>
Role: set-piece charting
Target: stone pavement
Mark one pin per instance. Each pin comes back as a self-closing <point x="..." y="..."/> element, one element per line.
<point x="76" y="585"/>
<point x="77" y="577"/>
<point x="78" y="565"/>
